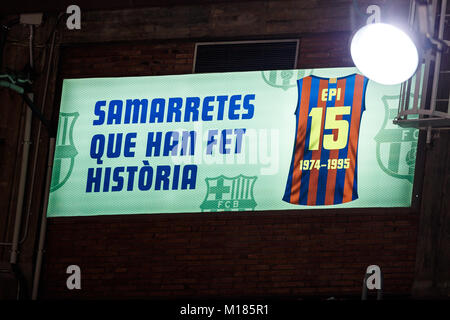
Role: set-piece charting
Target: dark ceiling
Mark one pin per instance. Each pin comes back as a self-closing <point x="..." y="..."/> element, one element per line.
<point x="28" y="6"/>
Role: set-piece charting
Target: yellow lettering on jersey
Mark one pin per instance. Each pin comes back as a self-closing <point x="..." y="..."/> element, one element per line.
<point x="332" y="94"/>
<point x="328" y="94"/>
<point x="324" y="94"/>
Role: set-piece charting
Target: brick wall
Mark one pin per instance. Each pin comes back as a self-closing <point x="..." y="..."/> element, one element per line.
<point x="292" y="253"/>
<point x="118" y="60"/>
<point x="295" y="254"/>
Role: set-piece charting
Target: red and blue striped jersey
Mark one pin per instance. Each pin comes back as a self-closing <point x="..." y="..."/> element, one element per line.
<point x="323" y="168"/>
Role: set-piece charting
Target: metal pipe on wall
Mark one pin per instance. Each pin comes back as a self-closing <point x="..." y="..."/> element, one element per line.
<point x="22" y="180"/>
<point x="9" y="85"/>
<point x="39" y="114"/>
<point x="437" y="59"/>
<point x="23" y="169"/>
<point x="51" y="150"/>
<point x="38" y="137"/>
<point x="40" y="254"/>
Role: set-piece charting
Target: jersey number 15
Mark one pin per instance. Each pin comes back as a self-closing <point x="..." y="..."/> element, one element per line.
<point x="331" y="122"/>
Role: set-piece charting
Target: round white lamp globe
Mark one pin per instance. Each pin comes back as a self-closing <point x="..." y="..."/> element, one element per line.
<point x="384" y="53"/>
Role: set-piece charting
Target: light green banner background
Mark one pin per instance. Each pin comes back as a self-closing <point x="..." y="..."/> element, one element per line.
<point x="386" y="153"/>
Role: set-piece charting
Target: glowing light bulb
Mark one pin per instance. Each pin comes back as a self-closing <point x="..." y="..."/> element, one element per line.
<point x="384" y="53"/>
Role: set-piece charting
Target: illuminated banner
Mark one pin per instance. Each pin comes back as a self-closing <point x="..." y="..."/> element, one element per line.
<point x="271" y="140"/>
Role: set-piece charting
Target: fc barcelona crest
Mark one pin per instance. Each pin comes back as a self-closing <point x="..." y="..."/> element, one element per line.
<point x="396" y="147"/>
<point x="229" y="194"/>
<point x="65" y="151"/>
<point x="284" y="79"/>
